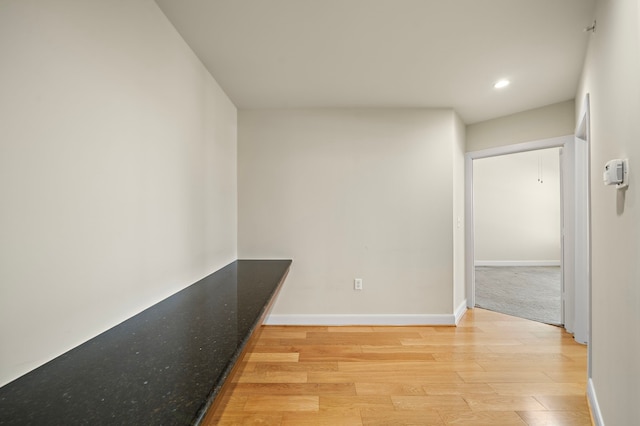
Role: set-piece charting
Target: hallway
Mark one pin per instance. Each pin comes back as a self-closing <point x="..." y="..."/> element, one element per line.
<point x="492" y="369"/>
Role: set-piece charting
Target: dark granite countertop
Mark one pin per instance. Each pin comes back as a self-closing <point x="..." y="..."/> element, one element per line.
<point x="163" y="366"/>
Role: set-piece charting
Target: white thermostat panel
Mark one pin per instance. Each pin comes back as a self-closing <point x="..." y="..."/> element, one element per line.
<point x="616" y="172"/>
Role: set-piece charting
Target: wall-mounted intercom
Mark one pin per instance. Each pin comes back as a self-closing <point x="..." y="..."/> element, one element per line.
<point x="616" y="172"/>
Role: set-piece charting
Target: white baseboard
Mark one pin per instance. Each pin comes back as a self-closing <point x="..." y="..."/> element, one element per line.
<point x="596" y="415"/>
<point x="355" y="319"/>
<point x="460" y="311"/>
<point x="517" y="263"/>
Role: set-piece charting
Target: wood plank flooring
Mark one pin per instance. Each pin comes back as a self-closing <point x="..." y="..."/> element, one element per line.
<point x="492" y="369"/>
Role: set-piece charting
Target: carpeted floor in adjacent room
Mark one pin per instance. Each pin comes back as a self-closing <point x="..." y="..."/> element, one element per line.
<point x="531" y="292"/>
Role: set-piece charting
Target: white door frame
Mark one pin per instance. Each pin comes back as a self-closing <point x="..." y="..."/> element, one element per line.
<point x="582" y="201"/>
<point x="568" y="209"/>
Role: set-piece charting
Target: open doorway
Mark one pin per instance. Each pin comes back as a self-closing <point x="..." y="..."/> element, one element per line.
<point x="576" y="228"/>
<point x="572" y="245"/>
<point x="517" y="213"/>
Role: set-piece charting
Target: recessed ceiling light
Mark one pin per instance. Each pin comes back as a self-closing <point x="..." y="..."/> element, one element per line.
<point x="501" y="83"/>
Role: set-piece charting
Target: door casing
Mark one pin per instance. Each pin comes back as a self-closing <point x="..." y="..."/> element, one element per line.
<point x="575" y="318"/>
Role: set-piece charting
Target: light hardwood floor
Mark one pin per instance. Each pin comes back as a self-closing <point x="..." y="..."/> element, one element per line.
<point x="492" y="369"/>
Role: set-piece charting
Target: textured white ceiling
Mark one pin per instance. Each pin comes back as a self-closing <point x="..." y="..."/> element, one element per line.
<point x="389" y="53"/>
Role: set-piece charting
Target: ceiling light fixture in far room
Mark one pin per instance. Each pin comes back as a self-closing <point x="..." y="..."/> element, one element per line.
<point x="501" y="84"/>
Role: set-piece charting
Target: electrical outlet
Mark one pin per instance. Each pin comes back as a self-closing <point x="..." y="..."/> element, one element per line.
<point x="357" y="284"/>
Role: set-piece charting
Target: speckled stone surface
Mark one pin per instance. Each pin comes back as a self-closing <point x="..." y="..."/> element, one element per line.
<point x="163" y="366"/>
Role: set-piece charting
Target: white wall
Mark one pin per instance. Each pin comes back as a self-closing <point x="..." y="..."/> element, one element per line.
<point x="541" y="123"/>
<point x="117" y="171"/>
<point x="351" y="193"/>
<point x="517" y="217"/>
<point x="611" y="78"/>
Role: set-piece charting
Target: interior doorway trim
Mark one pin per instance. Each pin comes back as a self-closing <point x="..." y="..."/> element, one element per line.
<point x="567" y="209"/>
<point x="583" y="228"/>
